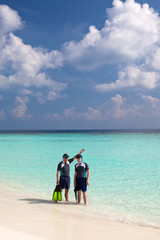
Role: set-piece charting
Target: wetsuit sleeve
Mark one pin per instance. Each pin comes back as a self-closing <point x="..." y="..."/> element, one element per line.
<point x="87" y="168"/>
<point x="70" y="160"/>
<point x="59" y="167"/>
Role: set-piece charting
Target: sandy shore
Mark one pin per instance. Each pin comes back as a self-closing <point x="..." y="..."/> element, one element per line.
<point x="30" y="218"/>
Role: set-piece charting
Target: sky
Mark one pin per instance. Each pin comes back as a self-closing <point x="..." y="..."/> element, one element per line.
<point x="91" y="64"/>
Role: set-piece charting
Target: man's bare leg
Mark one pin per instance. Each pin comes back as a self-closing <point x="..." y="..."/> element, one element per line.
<point x="79" y="196"/>
<point x="66" y="194"/>
<point x="85" y="197"/>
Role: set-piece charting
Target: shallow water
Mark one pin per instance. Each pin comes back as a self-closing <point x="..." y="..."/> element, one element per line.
<point x="124" y="170"/>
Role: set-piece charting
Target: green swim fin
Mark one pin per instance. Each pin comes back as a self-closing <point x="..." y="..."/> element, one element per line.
<point x="57" y="195"/>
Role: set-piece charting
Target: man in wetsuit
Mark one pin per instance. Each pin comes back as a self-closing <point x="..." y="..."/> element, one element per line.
<point x="81" y="178"/>
<point x="63" y="170"/>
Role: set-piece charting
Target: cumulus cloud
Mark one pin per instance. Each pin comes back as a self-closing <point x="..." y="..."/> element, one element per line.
<point x="111" y="109"/>
<point x="21" y="64"/>
<point x="129" y="31"/>
<point x="92" y="114"/>
<point x="25" y="91"/>
<point x="68" y="113"/>
<point x="21" y="108"/>
<point x="27" y="64"/>
<point x="52" y="95"/>
<point x="42" y="96"/>
<point x="130" y="37"/>
<point x="132" y="76"/>
<point x="81" y="53"/>
<point x="154" y="102"/>
<point x="116" y="108"/>
<point x="9" y="20"/>
<point x="154" y="60"/>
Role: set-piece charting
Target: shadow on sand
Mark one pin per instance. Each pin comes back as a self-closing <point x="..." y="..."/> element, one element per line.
<point x="44" y="201"/>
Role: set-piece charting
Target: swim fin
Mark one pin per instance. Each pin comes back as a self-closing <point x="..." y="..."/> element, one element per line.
<point x="57" y="195"/>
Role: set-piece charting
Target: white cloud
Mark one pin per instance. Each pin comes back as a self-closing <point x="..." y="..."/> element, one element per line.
<point x="25" y="91"/>
<point x="21" y="64"/>
<point x="130" y="37"/>
<point x="92" y="114"/>
<point x="116" y="108"/>
<point x="154" y="102"/>
<point x="153" y="61"/>
<point x="132" y="76"/>
<point x="133" y="28"/>
<point x="31" y="60"/>
<point x="129" y="33"/>
<point x="27" y="64"/>
<point x="118" y="100"/>
<point x="42" y="96"/>
<point x="53" y="116"/>
<point x="69" y="112"/>
<point x="52" y="95"/>
<point x="83" y="54"/>
<point x="9" y="19"/>
<point x="111" y="109"/>
<point x="21" y="108"/>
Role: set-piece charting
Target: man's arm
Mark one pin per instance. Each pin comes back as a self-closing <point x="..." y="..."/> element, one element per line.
<point x="88" y="173"/>
<point x="58" y="177"/>
<point x="72" y="159"/>
<point x="75" y="178"/>
<point x="82" y="150"/>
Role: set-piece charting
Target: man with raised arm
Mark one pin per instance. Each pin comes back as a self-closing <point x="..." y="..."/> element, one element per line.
<point x="63" y="173"/>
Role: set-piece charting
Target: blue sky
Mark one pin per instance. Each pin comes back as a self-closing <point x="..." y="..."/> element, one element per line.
<point x="79" y="64"/>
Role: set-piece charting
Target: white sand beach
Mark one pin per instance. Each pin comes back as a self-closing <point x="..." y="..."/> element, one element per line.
<point x="30" y="218"/>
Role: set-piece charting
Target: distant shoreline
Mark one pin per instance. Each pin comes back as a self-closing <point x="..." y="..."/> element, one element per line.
<point x="102" y="131"/>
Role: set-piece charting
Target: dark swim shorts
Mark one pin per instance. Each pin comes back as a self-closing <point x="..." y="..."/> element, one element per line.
<point x="65" y="182"/>
<point x="81" y="184"/>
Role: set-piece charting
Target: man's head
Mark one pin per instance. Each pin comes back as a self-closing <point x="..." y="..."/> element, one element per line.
<point x="65" y="157"/>
<point x="79" y="158"/>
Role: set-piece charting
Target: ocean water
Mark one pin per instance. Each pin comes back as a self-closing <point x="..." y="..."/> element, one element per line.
<point x="124" y="170"/>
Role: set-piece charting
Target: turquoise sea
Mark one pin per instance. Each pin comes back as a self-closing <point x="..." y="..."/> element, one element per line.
<point x="124" y="169"/>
